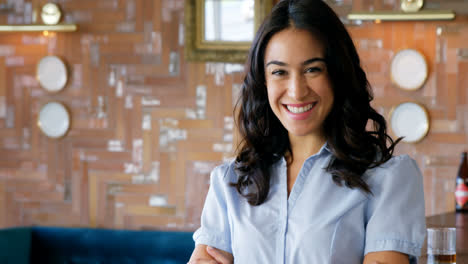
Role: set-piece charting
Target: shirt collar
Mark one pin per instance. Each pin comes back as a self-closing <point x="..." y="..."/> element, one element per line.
<point x="324" y="150"/>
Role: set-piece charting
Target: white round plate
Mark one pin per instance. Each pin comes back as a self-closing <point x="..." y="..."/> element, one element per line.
<point x="409" y="120"/>
<point x="54" y="120"/>
<point x="52" y="73"/>
<point x="409" y="69"/>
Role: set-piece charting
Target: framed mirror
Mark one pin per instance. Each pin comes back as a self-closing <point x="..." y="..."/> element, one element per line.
<point x="222" y="30"/>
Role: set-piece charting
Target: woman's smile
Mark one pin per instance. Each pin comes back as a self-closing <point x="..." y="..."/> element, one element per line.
<point x="300" y="111"/>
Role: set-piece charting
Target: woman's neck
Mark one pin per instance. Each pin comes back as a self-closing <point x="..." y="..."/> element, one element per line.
<point x="303" y="147"/>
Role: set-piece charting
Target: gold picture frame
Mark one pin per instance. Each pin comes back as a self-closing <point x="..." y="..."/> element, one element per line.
<point x="196" y="49"/>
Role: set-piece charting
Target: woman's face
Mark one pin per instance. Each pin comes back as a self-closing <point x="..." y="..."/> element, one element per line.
<point x="299" y="90"/>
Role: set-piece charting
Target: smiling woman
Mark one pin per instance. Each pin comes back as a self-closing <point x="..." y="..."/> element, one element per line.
<point x="311" y="182"/>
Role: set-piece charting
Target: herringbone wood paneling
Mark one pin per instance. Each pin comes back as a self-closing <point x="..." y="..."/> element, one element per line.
<point x="148" y="127"/>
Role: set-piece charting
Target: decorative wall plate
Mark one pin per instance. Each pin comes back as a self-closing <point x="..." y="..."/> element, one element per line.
<point x="54" y="120"/>
<point x="409" y="120"/>
<point x="408" y="69"/>
<point x="52" y="73"/>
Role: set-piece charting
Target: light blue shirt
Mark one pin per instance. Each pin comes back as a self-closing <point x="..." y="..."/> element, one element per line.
<point x="320" y="222"/>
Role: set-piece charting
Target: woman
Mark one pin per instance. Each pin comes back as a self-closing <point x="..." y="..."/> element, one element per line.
<point x="314" y="180"/>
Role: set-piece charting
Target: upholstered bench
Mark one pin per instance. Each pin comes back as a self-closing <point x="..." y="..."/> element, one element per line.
<point x="54" y="245"/>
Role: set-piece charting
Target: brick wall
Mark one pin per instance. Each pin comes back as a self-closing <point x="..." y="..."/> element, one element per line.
<point x="147" y="127"/>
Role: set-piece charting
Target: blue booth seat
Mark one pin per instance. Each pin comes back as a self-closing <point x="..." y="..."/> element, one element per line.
<point x="63" y="245"/>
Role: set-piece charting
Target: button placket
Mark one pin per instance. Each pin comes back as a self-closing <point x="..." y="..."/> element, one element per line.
<point x="282" y="222"/>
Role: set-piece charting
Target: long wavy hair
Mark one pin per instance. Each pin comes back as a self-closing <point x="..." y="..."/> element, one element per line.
<point x="354" y="147"/>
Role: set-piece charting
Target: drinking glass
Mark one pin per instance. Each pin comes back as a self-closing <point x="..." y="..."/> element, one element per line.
<point x="441" y="245"/>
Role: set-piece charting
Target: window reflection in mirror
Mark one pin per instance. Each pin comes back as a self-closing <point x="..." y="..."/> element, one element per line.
<point x="222" y="30"/>
<point x="229" y="20"/>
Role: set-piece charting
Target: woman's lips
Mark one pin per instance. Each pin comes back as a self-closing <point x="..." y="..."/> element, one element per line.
<point x="299" y="111"/>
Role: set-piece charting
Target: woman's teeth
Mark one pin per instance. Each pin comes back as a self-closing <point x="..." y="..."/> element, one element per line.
<point x="299" y="110"/>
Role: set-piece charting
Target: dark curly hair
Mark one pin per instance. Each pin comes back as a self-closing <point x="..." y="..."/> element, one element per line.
<point x="354" y="147"/>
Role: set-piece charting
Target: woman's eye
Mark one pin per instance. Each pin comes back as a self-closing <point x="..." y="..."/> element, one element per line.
<point x="313" y="70"/>
<point x="278" y="72"/>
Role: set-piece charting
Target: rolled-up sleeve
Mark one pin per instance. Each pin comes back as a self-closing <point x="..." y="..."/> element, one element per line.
<point x="395" y="212"/>
<point x="214" y="230"/>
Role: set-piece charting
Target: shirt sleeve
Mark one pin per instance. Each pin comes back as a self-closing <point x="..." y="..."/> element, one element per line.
<point x="395" y="212"/>
<point x="215" y="230"/>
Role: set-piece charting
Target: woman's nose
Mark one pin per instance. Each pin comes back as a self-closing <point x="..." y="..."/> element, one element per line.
<point x="298" y="88"/>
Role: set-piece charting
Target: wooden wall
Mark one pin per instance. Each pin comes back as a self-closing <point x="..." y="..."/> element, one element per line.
<point x="147" y="126"/>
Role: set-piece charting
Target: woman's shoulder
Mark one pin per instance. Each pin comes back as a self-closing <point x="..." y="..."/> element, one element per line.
<point x="225" y="172"/>
<point x="400" y="161"/>
<point x="222" y="179"/>
<point x="397" y="169"/>
<point x="395" y="163"/>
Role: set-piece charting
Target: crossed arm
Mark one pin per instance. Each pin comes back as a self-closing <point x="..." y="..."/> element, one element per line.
<point x="209" y="255"/>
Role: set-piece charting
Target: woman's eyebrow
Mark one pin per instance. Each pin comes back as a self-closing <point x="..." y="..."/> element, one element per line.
<point x="313" y="60"/>
<point x="280" y="63"/>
